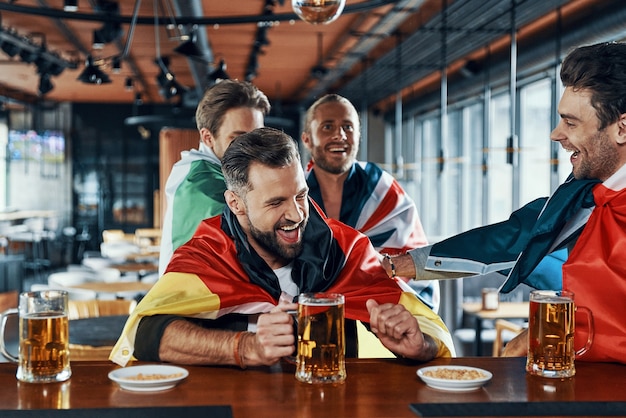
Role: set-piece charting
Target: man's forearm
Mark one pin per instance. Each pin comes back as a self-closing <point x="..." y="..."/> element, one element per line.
<point x="186" y="343"/>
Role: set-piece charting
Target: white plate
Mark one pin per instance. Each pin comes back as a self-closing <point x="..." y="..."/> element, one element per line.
<point x="157" y="377"/>
<point x="457" y="385"/>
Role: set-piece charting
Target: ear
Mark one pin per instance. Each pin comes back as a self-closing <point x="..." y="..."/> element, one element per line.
<point x="207" y="137"/>
<point x="306" y="140"/>
<point x="234" y="202"/>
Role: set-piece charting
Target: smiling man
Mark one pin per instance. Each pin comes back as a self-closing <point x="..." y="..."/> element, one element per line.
<point x="195" y="187"/>
<point x="226" y="293"/>
<point x="358" y="193"/>
<point x="586" y="214"/>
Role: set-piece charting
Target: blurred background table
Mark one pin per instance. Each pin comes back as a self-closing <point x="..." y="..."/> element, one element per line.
<point x="506" y="310"/>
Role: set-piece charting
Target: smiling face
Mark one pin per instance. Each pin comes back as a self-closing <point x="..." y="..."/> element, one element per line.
<point x="274" y="211"/>
<point x="236" y="121"/>
<point x="333" y="137"/>
<point x="595" y="153"/>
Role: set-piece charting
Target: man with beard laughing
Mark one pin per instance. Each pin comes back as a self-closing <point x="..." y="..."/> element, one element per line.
<point x="226" y="294"/>
<point x="586" y="214"/>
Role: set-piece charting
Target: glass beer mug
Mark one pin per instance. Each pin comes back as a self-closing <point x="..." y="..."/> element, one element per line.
<point x="551" y="322"/>
<point x="321" y="338"/>
<point x="43" y="337"/>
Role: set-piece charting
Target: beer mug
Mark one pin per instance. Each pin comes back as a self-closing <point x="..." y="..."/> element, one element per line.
<point x="43" y="337"/>
<point x="551" y="322"/>
<point x="321" y="338"/>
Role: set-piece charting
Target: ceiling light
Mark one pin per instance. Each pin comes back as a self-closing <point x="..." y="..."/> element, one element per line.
<point x="117" y="64"/>
<point x="28" y="55"/>
<point x="10" y="48"/>
<point x="45" y="85"/>
<point x="166" y="80"/>
<point x="128" y="84"/>
<point x="106" y="34"/>
<point x="219" y="73"/>
<point x="70" y="5"/>
<point x="318" y="11"/>
<point x="190" y="49"/>
<point x="92" y="74"/>
<point x="110" y="31"/>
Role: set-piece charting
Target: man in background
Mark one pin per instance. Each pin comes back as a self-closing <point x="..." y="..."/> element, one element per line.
<point x="360" y="194"/>
<point x="195" y="187"/>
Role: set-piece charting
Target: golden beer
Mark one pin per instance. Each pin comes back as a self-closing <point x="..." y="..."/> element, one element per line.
<point x="44" y="347"/>
<point x="321" y="339"/>
<point x="551" y="321"/>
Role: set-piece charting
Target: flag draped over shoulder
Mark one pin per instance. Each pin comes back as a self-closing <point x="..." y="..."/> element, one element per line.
<point x="374" y="203"/>
<point x="595" y="271"/>
<point x="217" y="272"/>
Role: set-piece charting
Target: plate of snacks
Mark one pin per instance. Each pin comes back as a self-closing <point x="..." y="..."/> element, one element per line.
<point x="454" y="378"/>
<point x="148" y="377"/>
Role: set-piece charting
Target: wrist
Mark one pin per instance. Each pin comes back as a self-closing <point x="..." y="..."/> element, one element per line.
<point x="389" y="266"/>
<point x="239" y="349"/>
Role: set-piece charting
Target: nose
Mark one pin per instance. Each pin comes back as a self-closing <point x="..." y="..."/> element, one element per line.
<point x="341" y="133"/>
<point x="295" y="211"/>
<point x="557" y="133"/>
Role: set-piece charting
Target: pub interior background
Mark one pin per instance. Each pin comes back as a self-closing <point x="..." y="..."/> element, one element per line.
<point x="468" y="151"/>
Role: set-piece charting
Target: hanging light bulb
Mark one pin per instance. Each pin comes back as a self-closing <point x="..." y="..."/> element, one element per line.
<point x="318" y="11"/>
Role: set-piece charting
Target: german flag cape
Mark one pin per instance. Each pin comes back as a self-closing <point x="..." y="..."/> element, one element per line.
<point x="217" y="272"/>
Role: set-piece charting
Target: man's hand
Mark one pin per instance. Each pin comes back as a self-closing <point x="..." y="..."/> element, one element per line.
<point x="399" y="331"/>
<point x="274" y="337"/>
<point x="518" y="346"/>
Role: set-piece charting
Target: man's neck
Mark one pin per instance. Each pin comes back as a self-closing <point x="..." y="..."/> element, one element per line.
<point x="331" y="189"/>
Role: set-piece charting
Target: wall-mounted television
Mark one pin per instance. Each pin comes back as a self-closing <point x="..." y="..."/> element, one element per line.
<point x="30" y="145"/>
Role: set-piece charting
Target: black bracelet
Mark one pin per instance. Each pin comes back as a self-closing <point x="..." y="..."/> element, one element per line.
<point x="391" y="264"/>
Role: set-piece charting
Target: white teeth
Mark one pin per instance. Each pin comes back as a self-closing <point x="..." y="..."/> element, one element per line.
<point x="291" y="228"/>
<point x="337" y="149"/>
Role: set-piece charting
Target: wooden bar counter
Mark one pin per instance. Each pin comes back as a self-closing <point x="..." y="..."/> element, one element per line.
<point x="374" y="388"/>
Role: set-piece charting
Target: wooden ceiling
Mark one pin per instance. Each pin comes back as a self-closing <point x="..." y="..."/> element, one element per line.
<point x="284" y="69"/>
<point x="356" y="49"/>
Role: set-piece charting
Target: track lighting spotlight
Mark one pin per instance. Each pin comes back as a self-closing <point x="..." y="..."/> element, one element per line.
<point x="10" y="48"/>
<point x="70" y="5"/>
<point x="45" y="85"/>
<point x="110" y="31"/>
<point x="219" y="73"/>
<point x="190" y="49"/>
<point x="92" y="74"/>
<point x="128" y="84"/>
<point x="166" y="80"/>
<point x="116" y="64"/>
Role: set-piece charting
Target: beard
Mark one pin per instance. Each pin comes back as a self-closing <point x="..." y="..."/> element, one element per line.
<point x="331" y="165"/>
<point x="604" y="161"/>
<point x="270" y="242"/>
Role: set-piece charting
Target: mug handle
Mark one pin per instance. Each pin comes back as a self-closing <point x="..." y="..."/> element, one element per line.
<point x="3" y="322"/>
<point x="590" y="333"/>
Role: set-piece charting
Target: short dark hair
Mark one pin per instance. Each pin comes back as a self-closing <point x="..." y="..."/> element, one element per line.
<point x="267" y="146"/>
<point x="226" y="95"/>
<point x="601" y="69"/>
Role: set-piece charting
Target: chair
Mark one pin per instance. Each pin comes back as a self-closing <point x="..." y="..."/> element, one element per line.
<point x="8" y="300"/>
<point x="72" y="294"/>
<point x="148" y="237"/>
<point x="92" y="309"/>
<point x="505" y="331"/>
